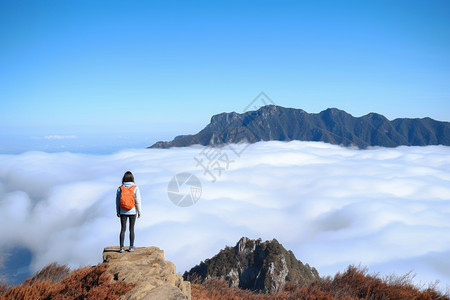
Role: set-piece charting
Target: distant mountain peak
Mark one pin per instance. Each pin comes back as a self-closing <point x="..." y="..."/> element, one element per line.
<point x="255" y="265"/>
<point x="334" y="126"/>
<point x="333" y="111"/>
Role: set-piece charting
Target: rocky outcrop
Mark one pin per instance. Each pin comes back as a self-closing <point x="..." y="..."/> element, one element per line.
<point x="332" y="126"/>
<point x="154" y="277"/>
<point x="255" y="265"/>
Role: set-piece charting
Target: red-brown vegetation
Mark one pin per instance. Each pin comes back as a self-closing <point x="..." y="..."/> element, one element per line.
<point x="354" y="283"/>
<point x="218" y="289"/>
<point x="53" y="272"/>
<point x="3" y="288"/>
<point x="85" y="283"/>
<point x="57" y="282"/>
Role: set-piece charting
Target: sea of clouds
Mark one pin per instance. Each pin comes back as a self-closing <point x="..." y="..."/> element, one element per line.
<point x="384" y="208"/>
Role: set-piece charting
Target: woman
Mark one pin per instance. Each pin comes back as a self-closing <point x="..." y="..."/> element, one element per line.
<point x="128" y="205"/>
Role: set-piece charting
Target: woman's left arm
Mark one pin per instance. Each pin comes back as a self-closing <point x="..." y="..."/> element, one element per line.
<point x="137" y="194"/>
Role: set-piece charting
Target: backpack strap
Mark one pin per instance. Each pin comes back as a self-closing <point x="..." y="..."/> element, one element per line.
<point x="131" y="188"/>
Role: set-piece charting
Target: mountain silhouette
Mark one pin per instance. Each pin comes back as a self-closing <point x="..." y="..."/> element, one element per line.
<point x="334" y="126"/>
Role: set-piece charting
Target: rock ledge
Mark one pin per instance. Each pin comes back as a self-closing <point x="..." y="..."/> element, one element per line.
<point x="155" y="277"/>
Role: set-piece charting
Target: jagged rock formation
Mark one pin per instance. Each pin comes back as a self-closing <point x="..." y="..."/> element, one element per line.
<point x="155" y="278"/>
<point x="333" y="126"/>
<point x="255" y="265"/>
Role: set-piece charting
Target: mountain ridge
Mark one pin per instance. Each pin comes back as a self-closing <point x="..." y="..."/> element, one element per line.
<point x="332" y="126"/>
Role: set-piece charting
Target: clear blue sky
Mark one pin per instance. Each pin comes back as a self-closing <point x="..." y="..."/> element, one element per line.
<point x="149" y="70"/>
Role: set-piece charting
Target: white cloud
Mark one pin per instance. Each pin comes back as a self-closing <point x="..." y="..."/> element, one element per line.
<point x="388" y="209"/>
<point x="59" y="137"/>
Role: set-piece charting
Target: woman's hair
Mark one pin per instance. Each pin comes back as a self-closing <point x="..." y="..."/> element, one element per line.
<point x="127" y="177"/>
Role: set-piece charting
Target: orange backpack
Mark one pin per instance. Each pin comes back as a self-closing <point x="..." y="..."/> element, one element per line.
<point x="127" y="197"/>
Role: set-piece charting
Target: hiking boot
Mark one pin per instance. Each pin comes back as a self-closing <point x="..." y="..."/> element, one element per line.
<point x="121" y="250"/>
<point x="132" y="248"/>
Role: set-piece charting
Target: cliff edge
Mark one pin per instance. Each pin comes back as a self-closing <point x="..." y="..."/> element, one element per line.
<point x="154" y="277"/>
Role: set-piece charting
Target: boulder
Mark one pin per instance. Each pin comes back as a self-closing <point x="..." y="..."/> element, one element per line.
<point x="154" y="277"/>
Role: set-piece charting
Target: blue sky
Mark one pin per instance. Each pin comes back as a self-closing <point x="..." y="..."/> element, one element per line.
<point x="129" y="73"/>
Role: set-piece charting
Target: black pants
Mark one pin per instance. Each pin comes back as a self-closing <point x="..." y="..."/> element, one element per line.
<point x="123" y="223"/>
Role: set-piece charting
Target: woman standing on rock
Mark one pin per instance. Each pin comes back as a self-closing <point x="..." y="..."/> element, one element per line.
<point x="128" y="205"/>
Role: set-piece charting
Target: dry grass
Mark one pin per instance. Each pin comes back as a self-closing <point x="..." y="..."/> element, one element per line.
<point x="355" y="283"/>
<point x="219" y="290"/>
<point x="58" y="282"/>
<point x="55" y="282"/>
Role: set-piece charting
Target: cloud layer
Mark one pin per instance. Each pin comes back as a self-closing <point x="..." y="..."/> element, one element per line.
<point x="388" y="209"/>
<point x="59" y="137"/>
